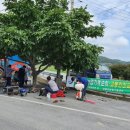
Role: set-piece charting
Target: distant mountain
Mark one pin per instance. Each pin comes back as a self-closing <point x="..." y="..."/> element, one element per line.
<point x="108" y="61"/>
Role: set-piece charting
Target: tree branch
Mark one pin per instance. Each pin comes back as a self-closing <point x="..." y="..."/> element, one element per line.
<point x="40" y="67"/>
<point x="40" y="70"/>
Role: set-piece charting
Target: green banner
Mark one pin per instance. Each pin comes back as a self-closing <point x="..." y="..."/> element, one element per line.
<point x="114" y="86"/>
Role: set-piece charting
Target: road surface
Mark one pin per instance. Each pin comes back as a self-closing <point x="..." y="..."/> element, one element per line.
<point x="37" y="113"/>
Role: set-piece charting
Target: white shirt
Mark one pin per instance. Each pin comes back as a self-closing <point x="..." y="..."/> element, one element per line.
<point x="79" y="86"/>
<point x="53" y="85"/>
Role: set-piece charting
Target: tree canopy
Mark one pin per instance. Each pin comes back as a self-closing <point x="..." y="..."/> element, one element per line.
<point x="45" y="32"/>
<point x="121" y="71"/>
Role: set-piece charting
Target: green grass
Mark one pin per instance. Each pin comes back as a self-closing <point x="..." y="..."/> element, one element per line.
<point x="51" y="68"/>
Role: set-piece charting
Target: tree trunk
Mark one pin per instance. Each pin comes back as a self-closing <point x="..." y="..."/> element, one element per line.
<point x="34" y="74"/>
<point x="58" y="78"/>
<point x="58" y="72"/>
<point x="34" y="79"/>
<point x="67" y="73"/>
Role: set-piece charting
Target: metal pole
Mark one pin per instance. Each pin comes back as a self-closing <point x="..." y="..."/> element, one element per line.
<point x="72" y="4"/>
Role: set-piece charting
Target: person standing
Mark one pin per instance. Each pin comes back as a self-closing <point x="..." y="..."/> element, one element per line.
<point x="8" y="75"/>
<point x="26" y="76"/>
<point x="21" y="76"/>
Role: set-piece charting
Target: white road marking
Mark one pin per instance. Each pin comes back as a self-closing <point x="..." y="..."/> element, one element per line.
<point x="67" y="108"/>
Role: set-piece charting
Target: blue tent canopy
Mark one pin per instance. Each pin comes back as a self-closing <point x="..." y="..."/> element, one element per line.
<point x="15" y="58"/>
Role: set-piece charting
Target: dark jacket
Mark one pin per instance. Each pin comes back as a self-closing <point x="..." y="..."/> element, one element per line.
<point x="21" y="73"/>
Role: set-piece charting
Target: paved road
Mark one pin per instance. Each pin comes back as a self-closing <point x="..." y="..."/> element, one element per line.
<point x="34" y="113"/>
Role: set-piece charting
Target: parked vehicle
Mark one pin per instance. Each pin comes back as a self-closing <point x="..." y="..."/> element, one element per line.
<point x="103" y="72"/>
<point x="42" y="77"/>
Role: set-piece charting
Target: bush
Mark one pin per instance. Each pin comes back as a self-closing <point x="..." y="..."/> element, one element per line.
<point x="121" y="70"/>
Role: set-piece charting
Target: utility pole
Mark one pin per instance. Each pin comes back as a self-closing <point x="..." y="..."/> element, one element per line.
<point x="72" y="4"/>
<point x="71" y="7"/>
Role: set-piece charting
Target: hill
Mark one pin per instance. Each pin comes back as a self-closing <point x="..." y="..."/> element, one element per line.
<point x="109" y="61"/>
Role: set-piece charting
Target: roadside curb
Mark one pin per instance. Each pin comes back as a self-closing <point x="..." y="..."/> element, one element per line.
<point x="110" y="95"/>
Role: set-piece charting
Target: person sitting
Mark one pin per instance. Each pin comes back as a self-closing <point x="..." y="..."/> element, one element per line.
<point x="50" y="88"/>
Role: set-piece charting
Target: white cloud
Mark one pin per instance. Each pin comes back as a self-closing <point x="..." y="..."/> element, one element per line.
<point x="114" y="15"/>
<point x="1" y="6"/>
<point x="121" y="42"/>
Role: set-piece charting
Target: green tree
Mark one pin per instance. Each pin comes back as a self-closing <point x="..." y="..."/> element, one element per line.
<point x="81" y="55"/>
<point x="8" y="36"/>
<point x="46" y="33"/>
<point x="26" y="17"/>
<point x="66" y="34"/>
<point x="127" y="72"/>
<point x="31" y="18"/>
<point x="121" y="70"/>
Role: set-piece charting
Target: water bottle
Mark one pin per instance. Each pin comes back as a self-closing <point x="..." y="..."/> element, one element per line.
<point x="48" y="96"/>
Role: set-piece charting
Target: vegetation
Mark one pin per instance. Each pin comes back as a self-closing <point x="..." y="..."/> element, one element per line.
<point x="109" y="61"/>
<point x="45" y="32"/>
<point x="121" y="71"/>
<point x="52" y="68"/>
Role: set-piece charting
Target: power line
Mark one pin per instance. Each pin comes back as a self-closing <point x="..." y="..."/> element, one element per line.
<point x="105" y="9"/>
<point x="109" y="9"/>
<point x="122" y="19"/>
<point x="72" y="4"/>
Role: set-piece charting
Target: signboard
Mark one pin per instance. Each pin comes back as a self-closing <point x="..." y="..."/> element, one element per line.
<point x="105" y="85"/>
<point x="115" y="86"/>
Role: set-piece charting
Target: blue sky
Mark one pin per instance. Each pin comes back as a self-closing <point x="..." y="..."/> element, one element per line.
<point x="115" y="16"/>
